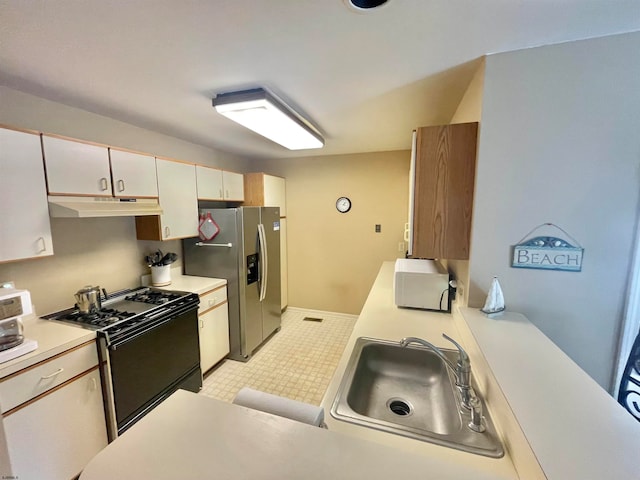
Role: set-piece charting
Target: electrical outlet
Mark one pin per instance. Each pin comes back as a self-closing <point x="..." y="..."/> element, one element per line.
<point x="401" y="246"/>
<point x="378" y="228"/>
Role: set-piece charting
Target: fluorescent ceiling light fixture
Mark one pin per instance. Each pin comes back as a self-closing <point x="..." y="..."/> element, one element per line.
<point x="267" y="115"/>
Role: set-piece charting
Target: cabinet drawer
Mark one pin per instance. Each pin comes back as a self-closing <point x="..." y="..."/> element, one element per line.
<point x="211" y="299"/>
<point x="31" y="382"/>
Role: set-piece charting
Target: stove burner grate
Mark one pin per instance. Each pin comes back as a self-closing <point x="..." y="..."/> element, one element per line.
<point x="154" y="297"/>
<point x="100" y="318"/>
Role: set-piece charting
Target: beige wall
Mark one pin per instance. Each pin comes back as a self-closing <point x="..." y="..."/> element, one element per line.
<point x="559" y="143"/>
<point x="101" y="252"/>
<point x="88" y="251"/>
<point x="334" y="257"/>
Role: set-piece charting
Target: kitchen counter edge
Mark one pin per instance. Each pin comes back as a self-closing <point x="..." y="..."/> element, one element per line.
<point x="52" y="337"/>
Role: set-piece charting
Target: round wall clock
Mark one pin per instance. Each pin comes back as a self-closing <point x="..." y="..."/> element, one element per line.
<point x="343" y="204"/>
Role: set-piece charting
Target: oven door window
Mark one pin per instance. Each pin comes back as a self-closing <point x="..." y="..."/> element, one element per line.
<point x="148" y="365"/>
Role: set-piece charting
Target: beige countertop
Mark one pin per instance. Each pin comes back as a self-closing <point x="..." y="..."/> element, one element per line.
<point x="200" y="437"/>
<point x="556" y="422"/>
<point x="552" y="416"/>
<point x="52" y="337"/>
<point x="575" y="428"/>
<point x="380" y="318"/>
<point x="192" y="436"/>
<point x="188" y="283"/>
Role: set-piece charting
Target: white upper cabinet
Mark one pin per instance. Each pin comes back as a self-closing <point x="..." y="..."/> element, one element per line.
<point x="215" y="184"/>
<point x="210" y="185"/>
<point x="266" y="191"/>
<point x="134" y="174"/>
<point x="75" y="168"/>
<point x="178" y="198"/>
<point x="24" y="215"/>
<point x="233" y="186"/>
<point x="275" y="193"/>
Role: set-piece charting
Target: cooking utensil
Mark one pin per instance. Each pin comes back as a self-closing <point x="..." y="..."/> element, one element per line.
<point x="169" y="258"/>
<point x="88" y="299"/>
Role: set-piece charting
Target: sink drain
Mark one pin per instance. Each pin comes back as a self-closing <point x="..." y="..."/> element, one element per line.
<point x="399" y="407"/>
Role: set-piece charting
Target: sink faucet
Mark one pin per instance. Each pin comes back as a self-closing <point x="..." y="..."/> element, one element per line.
<point x="462" y="368"/>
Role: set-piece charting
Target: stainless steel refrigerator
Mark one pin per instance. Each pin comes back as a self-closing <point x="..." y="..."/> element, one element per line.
<point x="246" y="252"/>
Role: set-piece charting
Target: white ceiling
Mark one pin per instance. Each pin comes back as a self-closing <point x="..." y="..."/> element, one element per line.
<point x="365" y="80"/>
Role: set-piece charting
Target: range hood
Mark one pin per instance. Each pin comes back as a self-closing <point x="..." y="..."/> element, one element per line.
<point x="85" y="207"/>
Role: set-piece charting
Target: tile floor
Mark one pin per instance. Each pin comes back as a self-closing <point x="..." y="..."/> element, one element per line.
<point x="297" y="362"/>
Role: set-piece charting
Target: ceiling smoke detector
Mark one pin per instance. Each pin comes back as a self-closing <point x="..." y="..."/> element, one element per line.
<point x="364" y="5"/>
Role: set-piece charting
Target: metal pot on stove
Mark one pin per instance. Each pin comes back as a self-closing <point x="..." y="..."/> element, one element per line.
<point x="88" y="299"/>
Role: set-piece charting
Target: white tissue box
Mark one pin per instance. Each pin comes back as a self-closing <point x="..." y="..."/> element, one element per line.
<point x="421" y="284"/>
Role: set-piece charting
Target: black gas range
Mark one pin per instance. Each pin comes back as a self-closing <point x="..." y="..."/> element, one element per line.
<point x="127" y="311"/>
<point x="148" y="344"/>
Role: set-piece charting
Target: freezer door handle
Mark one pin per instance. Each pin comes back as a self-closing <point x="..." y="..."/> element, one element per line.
<point x="262" y="238"/>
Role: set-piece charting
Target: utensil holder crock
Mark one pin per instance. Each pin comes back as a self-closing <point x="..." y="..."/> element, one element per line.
<point x="161" y="275"/>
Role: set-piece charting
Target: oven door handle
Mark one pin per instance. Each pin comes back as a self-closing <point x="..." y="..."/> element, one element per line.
<point x="127" y="339"/>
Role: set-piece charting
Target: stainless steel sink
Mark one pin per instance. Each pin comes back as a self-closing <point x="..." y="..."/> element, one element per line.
<point x="409" y="391"/>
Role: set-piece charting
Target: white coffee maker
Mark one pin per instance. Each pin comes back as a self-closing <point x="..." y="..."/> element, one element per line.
<point x="14" y="304"/>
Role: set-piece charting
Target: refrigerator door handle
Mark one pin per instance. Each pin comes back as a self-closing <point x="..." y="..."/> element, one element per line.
<point x="203" y="244"/>
<point x="264" y="260"/>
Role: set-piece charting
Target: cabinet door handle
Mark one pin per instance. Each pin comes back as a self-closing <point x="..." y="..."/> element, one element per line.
<point x="212" y="301"/>
<point x="167" y="232"/>
<point x="121" y="185"/>
<point x="201" y="324"/>
<point x="220" y="193"/>
<point x="42" y="245"/>
<point x="104" y="184"/>
<point x="57" y="372"/>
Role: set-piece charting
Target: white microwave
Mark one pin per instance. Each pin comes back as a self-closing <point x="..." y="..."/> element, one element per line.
<point x="14" y="303"/>
<point x="421" y="284"/>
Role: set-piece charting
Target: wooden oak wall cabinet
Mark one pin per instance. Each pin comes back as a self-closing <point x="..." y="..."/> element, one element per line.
<point x="445" y="165"/>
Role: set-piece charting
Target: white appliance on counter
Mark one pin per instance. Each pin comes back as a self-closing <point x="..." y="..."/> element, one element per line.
<point x="14" y="304"/>
<point x="421" y="284"/>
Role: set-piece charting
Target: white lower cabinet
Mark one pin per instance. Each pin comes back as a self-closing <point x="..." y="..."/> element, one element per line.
<point x="213" y="318"/>
<point x="55" y="434"/>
